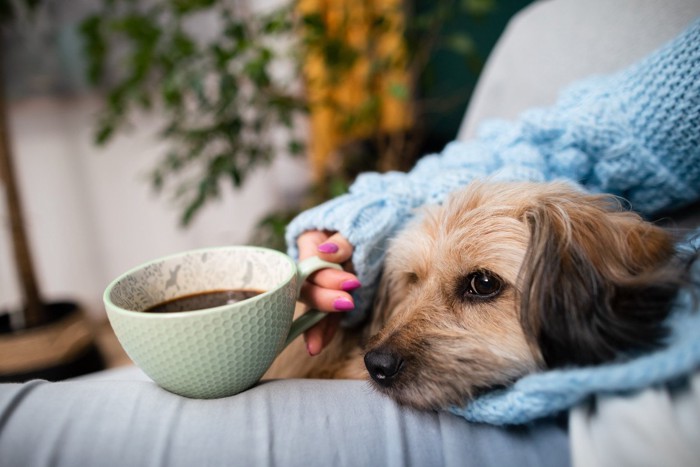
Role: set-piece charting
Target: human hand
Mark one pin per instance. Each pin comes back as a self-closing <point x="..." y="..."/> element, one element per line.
<point x="327" y="289"/>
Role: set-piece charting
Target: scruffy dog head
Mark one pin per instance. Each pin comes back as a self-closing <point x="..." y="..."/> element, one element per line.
<point x="507" y="279"/>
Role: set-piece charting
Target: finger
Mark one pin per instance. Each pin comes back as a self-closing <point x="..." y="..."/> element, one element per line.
<point x="308" y="243"/>
<point x="334" y="279"/>
<point x="320" y="335"/>
<point x="335" y="249"/>
<point x="314" y="339"/>
<point x="326" y="299"/>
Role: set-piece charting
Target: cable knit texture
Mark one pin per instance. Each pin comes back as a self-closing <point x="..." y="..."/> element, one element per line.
<point x="635" y="133"/>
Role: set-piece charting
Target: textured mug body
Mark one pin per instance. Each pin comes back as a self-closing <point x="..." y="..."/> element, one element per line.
<point x="209" y="353"/>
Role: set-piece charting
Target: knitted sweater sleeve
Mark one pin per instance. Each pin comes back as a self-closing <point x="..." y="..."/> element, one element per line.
<point x="634" y="133"/>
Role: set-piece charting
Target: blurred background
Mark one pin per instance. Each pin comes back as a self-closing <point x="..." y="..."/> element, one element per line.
<point x="135" y="129"/>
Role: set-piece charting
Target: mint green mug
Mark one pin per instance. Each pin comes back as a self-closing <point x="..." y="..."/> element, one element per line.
<point x="214" y="352"/>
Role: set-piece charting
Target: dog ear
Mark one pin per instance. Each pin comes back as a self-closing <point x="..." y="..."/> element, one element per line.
<point x="596" y="281"/>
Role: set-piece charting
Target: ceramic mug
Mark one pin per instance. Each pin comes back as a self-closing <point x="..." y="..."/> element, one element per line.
<point x="215" y="352"/>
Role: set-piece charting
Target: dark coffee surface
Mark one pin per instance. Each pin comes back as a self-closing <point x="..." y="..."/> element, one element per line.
<point x="202" y="301"/>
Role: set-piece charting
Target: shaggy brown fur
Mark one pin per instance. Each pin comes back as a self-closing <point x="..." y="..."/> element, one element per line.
<point x="503" y="280"/>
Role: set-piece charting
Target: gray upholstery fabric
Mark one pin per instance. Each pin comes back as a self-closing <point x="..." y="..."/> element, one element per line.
<point x="657" y="426"/>
<point x="113" y="422"/>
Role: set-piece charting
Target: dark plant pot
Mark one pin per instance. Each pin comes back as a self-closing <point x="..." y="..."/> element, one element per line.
<point x="62" y="348"/>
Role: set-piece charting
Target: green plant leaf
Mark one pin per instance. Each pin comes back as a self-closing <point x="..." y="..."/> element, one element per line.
<point x="192" y="208"/>
<point x="234" y="29"/>
<point x="228" y="91"/>
<point x="195" y="83"/>
<point x="157" y="180"/>
<point x="183" y="7"/>
<point x="104" y="133"/>
<point x="278" y="21"/>
<point x="236" y="176"/>
<point x="461" y="43"/>
<point x="338" y="186"/>
<point x="256" y="70"/>
<point x="296" y="147"/>
<point x="478" y="7"/>
<point x="95" y="47"/>
<point x="338" y="55"/>
<point x="399" y="91"/>
<point x="314" y="24"/>
<point x="172" y="94"/>
<point x="183" y="45"/>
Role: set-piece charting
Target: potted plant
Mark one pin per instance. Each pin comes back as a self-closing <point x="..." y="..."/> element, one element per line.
<point x="50" y="340"/>
<point x="221" y="97"/>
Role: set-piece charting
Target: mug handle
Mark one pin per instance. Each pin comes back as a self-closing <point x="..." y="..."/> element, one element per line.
<point x="305" y="269"/>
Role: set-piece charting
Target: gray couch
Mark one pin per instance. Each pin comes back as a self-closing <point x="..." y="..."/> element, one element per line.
<point x="120" y="417"/>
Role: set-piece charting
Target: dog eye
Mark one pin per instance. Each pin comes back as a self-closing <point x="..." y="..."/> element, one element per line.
<point x="482" y="284"/>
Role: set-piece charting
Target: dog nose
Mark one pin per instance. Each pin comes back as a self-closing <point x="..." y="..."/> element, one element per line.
<point x="383" y="366"/>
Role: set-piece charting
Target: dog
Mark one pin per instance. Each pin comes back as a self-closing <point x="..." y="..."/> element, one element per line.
<point x="504" y="280"/>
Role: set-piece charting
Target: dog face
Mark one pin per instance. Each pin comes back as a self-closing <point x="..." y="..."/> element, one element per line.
<point x="511" y="278"/>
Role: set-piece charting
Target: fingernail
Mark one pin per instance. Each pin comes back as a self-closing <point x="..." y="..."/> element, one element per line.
<point x="350" y="285"/>
<point x="328" y="248"/>
<point x="308" y="349"/>
<point x="343" y="304"/>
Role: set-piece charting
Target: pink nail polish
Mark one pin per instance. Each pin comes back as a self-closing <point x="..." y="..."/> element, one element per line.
<point x="350" y="285"/>
<point x="343" y="304"/>
<point x="328" y="248"/>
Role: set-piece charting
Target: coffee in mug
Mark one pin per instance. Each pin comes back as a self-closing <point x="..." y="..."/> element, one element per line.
<point x="202" y="301"/>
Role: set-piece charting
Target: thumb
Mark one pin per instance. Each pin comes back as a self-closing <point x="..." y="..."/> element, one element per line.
<point x="336" y="249"/>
